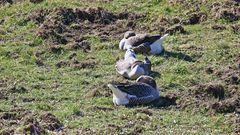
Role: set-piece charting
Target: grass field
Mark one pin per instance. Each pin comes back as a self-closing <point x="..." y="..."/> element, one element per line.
<point x="51" y="84"/>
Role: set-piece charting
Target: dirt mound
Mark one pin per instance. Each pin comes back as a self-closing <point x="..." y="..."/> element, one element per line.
<point x="165" y="101"/>
<point x="226" y="106"/>
<point x="231" y="74"/>
<point x="168" y="21"/>
<point x="77" y="64"/>
<point x="212" y="89"/>
<point x="218" y="27"/>
<point x="228" y="10"/>
<point x="200" y="95"/>
<point x="169" y="25"/>
<point x="85" y="45"/>
<point x="50" y="122"/>
<point x="221" y="97"/>
<point x="27" y="121"/>
<point x="39" y="62"/>
<point x="175" y="29"/>
<point x="10" y="87"/>
<point x="236" y="28"/>
<point x="64" y="25"/>
<point x="212" y="97"/>
<point x="99" y="91"/>
<point x="145" y="111"/>
<point x="38" y="16"/>
<point x="32" y="126"/>
<point x="195" y="18"/>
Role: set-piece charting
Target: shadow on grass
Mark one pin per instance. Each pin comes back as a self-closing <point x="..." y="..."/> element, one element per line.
<point x="163" y="101"/>
<point x="178" y="55"/>
<point x="155" y="74"/>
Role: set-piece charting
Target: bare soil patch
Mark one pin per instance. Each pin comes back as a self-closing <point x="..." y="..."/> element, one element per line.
<point x="228" y="10"/>
<point x="99" y="91"/>
<point x="195" y="18"/>
<point x="169" y="25"/>
<point x="236" y="28"/>
<point x="50" y="122"/>
<point x="28" y="122"/>
<point x="218" y="27"/>
<point x="67" y="25"/>
<point x="216" y="97"/>
<point x="77" y="64"/>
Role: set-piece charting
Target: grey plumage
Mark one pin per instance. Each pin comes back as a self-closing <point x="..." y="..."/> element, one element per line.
<point x="148" y="80"/>
<point x="132" y="68"/>
<point x="142" y="38"/>
<point x="142" y="43"/>
<point x="140" y="93"/>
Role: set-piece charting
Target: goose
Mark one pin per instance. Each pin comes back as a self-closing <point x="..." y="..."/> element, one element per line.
<point x="131" y="68"/>
<point x="148" y="80"/>
<point x="134" y="94"/>
<point x="142" y="43"/>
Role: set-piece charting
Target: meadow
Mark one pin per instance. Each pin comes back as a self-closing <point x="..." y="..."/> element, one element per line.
<point x="57" y="57"/>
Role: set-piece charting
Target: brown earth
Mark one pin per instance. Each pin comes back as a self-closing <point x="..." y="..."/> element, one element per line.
<point x="50" y="122"/>
<point x="30" y="122"/>
<point x="236" y="28"/>
<point x="216" y="97"/>
<point x="169" y="25"/>
<point x="11" y="87"/>
<point x="218" y="27"/>
<point x="77" y="64"/>
<point x="228" y="10"/>
<point x="195" y="18"/>
<point x="67" y="25"/>
<point x="99" y="91"/>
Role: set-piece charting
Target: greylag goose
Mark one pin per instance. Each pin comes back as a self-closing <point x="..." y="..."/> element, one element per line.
<point x="142" y="43"/>
<point x="132" y="68"/>
<point x="134" y="94"/>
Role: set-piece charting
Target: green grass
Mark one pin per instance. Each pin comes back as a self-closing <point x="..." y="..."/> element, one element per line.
<point x="63" y="91"/>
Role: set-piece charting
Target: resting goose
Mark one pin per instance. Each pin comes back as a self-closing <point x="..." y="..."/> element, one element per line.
<point x="148" y="80"/>
<point x="132" y="68"/>
<point x="142" y="43"/>
<point x="133" y="94"/>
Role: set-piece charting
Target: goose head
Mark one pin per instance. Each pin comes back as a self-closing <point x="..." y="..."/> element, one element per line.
<point x="136" y="71"/>
<point x="122" y="44"/>
<point x="148" y="80"/>
<point x="119" y="97"/>
<point x="129" y="34"/>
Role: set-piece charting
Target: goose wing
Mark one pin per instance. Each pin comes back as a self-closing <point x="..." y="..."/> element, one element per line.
<point x="137" y="89"/>
<point x="136" y="40"/>
<point x="122" y="65"/>
<point x="143" y="48"/>
<point x="152" y="39"/>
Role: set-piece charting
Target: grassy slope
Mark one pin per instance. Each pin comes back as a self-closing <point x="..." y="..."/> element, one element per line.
<point x="63" y="91"/>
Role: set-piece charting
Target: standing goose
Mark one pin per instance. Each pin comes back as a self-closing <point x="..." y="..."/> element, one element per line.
<point x="133" y="94"/>
<point x="142" y="43"/>
<point x="132" y="68"/>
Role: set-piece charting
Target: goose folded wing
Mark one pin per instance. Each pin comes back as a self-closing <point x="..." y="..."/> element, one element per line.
<point x="141" y="100"/>
<point x="122" y="65"/>
<point x="137" y="89"/>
